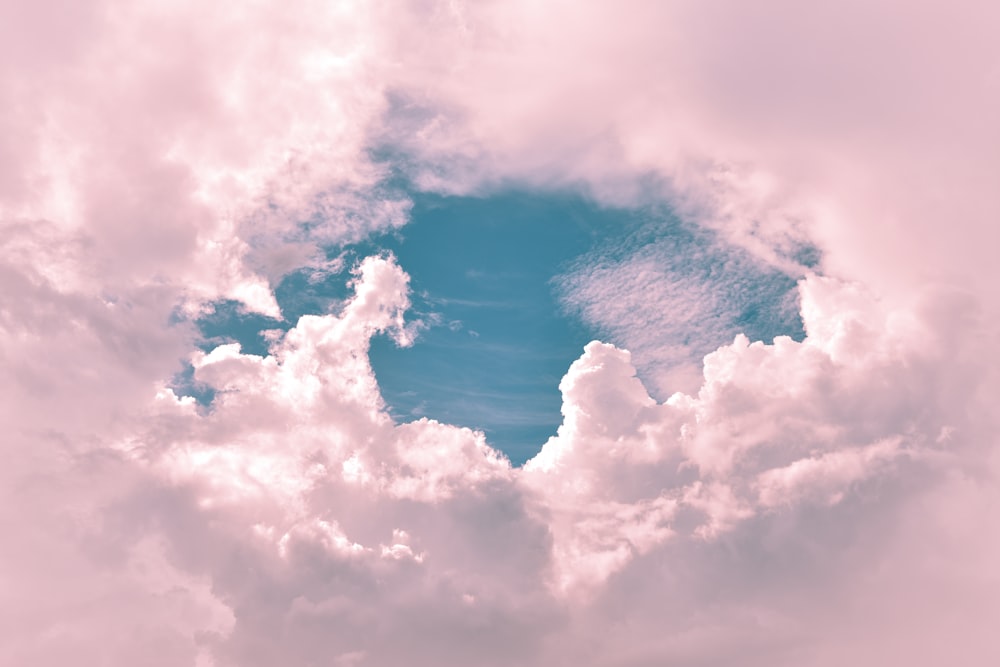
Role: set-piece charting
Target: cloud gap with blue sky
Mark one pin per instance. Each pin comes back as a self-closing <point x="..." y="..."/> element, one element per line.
<point x="502" y="307"/>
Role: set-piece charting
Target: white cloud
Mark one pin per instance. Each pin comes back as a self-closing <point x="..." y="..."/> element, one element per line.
<point x="773" y="426"/>
<point x="326" y="529"/>
<point x="301" y="521"/>
<point x="675" y="296"/>
<point x="865" y="128"/>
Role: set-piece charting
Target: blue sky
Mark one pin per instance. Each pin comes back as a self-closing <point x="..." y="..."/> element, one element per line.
<point x="492" y="278"/>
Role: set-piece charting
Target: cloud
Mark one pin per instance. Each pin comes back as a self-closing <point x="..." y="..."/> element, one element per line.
<point x="865" y="129"/>
<point x="805" y="502"/>
<point x="772" y="426"/>
<point x="671" y="294"/>
<point x="301" y="521"/>
<point x="173" y="140"/>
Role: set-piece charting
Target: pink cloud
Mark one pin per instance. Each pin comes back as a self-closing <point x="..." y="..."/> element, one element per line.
<point x="814" y="502"/>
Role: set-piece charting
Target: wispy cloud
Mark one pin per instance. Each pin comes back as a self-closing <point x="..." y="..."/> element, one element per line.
<point x="676" y="293"/>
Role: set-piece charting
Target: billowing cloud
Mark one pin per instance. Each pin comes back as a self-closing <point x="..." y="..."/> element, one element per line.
<point x="817" y="501"/>
<point x="300" y="521"/>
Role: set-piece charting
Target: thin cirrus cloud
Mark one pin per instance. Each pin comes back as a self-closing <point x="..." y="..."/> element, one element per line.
<point x="813" y="501"/>
<point x="672" y="294"/>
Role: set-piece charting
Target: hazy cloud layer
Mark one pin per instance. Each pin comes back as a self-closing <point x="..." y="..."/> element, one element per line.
<point x="819" y="502"/>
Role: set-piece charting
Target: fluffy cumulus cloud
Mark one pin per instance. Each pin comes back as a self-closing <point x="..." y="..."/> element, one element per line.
<point x="820" y="501"/>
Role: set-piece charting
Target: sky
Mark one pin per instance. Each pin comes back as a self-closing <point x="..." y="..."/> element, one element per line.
<point x="499" y="333"/>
